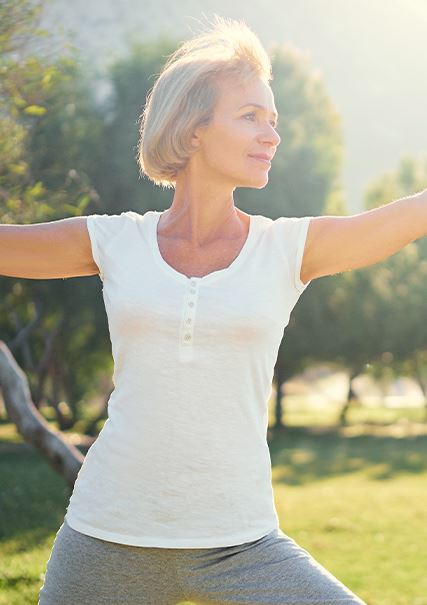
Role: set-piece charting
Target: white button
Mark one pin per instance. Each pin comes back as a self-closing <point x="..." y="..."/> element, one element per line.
<point x="189" y="320"/>
<point x="187" y="337"/>
<point x="193" y="291"/>
<point x="193" y="283"/>
<point x="191" y="304"/>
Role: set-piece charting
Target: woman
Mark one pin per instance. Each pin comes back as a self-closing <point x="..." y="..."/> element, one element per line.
<point x="174" y="500"/>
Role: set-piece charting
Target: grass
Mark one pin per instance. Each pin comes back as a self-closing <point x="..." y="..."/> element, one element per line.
<point x="358" y="505"/>
<point x="354" y="498"/>
<point x="299" y="412"/>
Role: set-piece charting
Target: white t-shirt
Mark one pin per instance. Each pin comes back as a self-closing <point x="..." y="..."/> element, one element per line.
<point x="182" y="460"/>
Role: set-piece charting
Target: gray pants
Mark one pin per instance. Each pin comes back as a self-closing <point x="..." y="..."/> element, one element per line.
<point x="83" y="570"/>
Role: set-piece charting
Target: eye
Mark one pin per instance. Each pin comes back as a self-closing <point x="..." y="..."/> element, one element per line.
<point x="252" y="113"/>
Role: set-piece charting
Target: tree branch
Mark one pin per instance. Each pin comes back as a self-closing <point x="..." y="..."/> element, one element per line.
<point x="62" y="456"/>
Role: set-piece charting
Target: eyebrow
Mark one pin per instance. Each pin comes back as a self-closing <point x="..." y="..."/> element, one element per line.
<point x="261" y="107"/>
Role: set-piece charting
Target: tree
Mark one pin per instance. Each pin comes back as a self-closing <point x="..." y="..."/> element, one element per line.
<point x="49" y="126"/>
<point x="405" y="330"/>
<point x="131" y="77"/>
<point x="304" y="181"/>
<point x="370" y="315"/>
<point x="62" y="456"/>
<point x="306" y="176"/>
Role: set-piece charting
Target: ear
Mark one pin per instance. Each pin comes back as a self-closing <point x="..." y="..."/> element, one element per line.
<point x="196" y="138"/>
<point x="195" y="141"/>
<point x="198" y="133"/>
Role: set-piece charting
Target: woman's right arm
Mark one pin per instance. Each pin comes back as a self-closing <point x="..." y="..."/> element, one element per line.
<point x="52" y="250"/>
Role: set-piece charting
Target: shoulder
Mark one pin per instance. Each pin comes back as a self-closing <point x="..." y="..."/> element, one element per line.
<point x="106" y="228"/>
<point x="284" y="229"/>
<point x="291" y="229"/>
<point x="110" y="232"/>
<point x="109" y="224"/>
<point x="290" y="236"/>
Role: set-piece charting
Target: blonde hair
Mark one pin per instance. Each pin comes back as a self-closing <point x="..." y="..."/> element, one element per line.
<point x="184" y="95"/>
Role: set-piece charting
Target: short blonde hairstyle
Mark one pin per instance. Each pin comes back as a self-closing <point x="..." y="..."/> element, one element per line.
<point x="185" y="93"/>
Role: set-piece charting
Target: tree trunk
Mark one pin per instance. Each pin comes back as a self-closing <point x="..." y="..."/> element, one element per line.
<point x="351" y="396"/>
<point x="62" y="456"/>
<point x="420" y="381"/>
<point x="278" y="410"/>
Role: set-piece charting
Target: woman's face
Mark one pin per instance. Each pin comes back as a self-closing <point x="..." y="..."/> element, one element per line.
<point x="239" y="130"/>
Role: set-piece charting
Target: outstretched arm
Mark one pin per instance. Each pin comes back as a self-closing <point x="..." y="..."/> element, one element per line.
<point x="52" y="250"/>
<point x="341" y="243"/>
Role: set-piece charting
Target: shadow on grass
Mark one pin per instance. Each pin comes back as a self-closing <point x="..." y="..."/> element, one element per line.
<point x="304" y="455"/>
<point x="33" y="499"/>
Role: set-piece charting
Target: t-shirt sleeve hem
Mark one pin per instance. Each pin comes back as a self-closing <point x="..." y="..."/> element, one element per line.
<point x="90" y="222"/>
<point x="301" y="241"/>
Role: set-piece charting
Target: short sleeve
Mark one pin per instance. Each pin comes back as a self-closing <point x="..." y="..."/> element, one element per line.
<point x="102" y="229"/>
<point x="291" y="236"/>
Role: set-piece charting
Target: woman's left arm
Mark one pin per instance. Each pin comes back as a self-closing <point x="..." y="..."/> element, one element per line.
<point x="340" y="243"/>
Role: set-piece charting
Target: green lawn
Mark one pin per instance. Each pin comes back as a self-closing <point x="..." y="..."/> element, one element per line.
<point x="358" y="504"/>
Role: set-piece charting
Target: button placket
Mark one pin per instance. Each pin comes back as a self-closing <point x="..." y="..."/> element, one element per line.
<point x="187" y="326"/>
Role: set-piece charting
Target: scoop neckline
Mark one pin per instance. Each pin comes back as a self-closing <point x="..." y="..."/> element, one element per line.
<point x="213" y="274"/>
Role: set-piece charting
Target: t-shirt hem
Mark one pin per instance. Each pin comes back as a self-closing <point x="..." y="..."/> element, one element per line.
<point x="231" y="540"/>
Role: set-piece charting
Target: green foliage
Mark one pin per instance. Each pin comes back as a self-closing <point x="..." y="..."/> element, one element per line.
<point x="42" y="146"/>
<point x="131" y="77"/>
<point x="401" y="280"/>
<point x="307" y="167"/>
<point x="410" y="177"/>
<point x="49" y="133"/>
<point x="17" y="23"/>
<point x="371" y="316"/>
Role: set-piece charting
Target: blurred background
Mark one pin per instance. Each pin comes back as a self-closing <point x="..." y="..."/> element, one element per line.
<point x="370" y="56"/>
<point x="348" y="405"/>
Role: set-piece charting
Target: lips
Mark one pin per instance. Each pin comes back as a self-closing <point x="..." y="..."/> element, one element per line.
<point x="262" y="157"/>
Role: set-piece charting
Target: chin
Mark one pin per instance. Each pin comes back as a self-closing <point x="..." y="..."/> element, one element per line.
<point x="253" y="181"/>
<point x="258" y="183"/>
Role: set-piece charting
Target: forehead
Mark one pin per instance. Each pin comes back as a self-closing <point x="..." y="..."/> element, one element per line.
<point x="235" y="95"/>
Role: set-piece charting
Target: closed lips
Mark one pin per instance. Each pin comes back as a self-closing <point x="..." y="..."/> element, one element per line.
<point x="261" y="158"/>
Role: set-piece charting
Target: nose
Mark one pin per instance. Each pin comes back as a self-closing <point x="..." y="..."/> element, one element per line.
<point x="270" y="135"/>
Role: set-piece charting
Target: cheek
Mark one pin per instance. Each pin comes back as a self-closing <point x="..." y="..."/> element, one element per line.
<point x="234" y="145"/>
<point x="233" y="134"/>
<point x="228" y="146"/>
